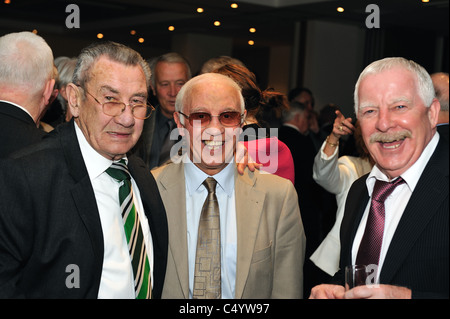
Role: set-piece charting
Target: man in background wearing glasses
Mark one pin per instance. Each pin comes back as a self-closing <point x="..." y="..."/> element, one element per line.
<point x="62" y="233"/>
<point x="246" y="240"/>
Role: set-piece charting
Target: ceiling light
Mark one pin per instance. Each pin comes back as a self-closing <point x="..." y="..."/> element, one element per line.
<point x="252" y="30"/>
<point x="200" y="10"/>
<point x="234" y="5"/>
<point x="171" y="28"/>
<point x="141" y="40"/>
<point x="217" y="23"/>
<point x="133" y="32"/>
<point x="425" y="1"/>
<point x="99" y="35"/>
<point x="340" y="9"/>
<point x="251" y="42"/>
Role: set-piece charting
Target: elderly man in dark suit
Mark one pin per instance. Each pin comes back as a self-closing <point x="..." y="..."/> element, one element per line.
<point x="398" y="113"/>
<point x="26" y="84"/>
<point x="65" y="227"/>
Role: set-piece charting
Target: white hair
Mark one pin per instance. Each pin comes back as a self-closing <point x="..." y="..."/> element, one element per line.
<point x="26" y="60"/>
<point x="424" y="84"/>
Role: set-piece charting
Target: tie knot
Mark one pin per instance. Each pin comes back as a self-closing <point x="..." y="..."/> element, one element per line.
<point x="382" y="190"/>
<point x="119" y="171"/>
<point x="210" y="184"/>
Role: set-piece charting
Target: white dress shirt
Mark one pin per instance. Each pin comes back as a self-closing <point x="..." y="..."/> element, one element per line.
<point x="117" y="279"/>
<point x="195" y="197"/>
<point x="395" y="203"/>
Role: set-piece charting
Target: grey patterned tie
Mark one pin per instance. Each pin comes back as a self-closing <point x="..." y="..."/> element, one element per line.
<point x="207" y="278"/>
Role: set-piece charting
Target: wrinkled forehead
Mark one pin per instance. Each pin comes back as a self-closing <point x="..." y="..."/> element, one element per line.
<point x="209" y="96"/>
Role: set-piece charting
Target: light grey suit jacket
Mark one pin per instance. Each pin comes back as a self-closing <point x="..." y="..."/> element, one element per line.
<point x="270" y="235"/>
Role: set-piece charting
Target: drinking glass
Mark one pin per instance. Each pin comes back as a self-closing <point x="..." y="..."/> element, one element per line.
<point x="355" y="275"/>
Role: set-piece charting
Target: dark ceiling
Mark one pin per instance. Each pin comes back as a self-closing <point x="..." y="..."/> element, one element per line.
<point x="151" y="18"/>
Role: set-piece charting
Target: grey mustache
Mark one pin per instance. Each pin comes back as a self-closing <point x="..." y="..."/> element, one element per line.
<point x="389" y="137"/>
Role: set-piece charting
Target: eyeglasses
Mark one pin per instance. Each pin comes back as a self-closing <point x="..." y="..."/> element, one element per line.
<point x="230" y="118"/>
<point x="140" y="111"/>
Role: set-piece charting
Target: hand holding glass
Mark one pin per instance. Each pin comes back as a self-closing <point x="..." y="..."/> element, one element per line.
<point x="356" y="275"/>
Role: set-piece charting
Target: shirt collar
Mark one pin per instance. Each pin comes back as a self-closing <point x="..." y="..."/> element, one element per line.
<point x="412" y="175"/>
<point x="195" y="177"/>
<point x="95" y="163"/>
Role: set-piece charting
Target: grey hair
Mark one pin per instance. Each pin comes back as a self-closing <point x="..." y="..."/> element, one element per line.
<point x="295" y="107"/>
<point x="115" y="51"/>
<point x="185" y="91"/>
<point x="25" y="60"/>
<point x="65" y="66"/>
<point x="171" y="57"/>
<point x="423" y="79"/>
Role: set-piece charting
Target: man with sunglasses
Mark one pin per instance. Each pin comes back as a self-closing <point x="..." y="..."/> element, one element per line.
<point x="254" y="240"/>
<point x="64" y="229"/>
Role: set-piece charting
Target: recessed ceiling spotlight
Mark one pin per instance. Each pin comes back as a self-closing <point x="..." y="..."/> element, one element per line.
<point x="217" y="23"/>
<point x="171" y="28"/>
<point x="252" y="30"/>
<point x="200" y="10"/>
<point x="99" y="35"/>
<point x="340" y="9"/>
<point x="234" y="5"/>
<point x="141" y="40"/>
<point x="133" y="32"/>
<point x="251" y="42"/>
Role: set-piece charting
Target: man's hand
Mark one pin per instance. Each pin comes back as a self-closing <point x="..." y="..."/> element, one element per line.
<point x="327" y="292"/>
<point x="378" y="292"/>
<point x="243" y="160"/>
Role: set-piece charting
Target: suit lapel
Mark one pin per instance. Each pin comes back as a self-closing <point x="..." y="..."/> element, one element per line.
<point x="354" y="209"/>
<point x="82" y="191"/>
<point x="429" y="193"/>
<point x="173" y="182"/>
<point x="249" y="204"/>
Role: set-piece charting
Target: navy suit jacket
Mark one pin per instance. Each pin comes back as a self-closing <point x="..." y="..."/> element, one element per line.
<point x="418" y="255"/>
<point x="49" y="220"/>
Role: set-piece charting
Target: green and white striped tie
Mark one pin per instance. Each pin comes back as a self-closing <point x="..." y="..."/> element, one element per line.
<point x="133" y="231"/>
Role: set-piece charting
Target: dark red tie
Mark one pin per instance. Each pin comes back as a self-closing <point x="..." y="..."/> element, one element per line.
<point x="369" y="249"/>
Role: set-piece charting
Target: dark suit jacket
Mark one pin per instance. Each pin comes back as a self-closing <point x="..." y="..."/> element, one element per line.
<point x="17" y="129"/>
<point x="443" y="131"/>
<point x="309" y="192"/>
<point x="417" y="257"/>
<point x="49" y="220"/>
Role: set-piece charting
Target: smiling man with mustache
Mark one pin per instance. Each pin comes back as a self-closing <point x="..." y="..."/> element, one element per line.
<point x="397" y="110"/>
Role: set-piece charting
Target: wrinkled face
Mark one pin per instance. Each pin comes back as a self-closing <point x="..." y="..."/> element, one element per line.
<point x="212" y="146"/>
<point x="395" y="123"/>
<point x="112" y="137"/>
<point x="169" y="78"/>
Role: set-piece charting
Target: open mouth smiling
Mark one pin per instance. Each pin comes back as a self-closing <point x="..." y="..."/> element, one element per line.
<point x="213" y="144"/>
<point x="390" y="140"/>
